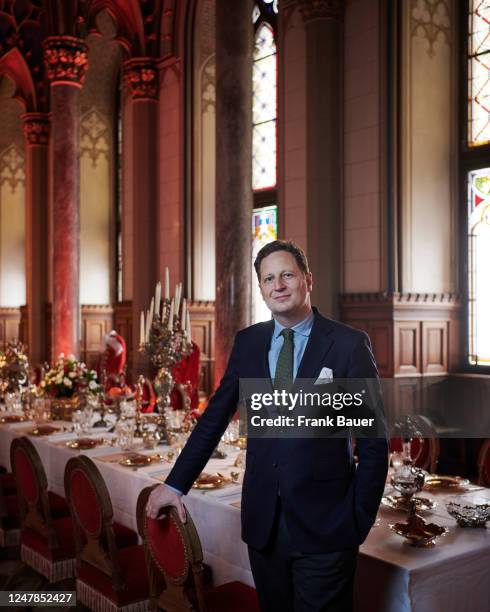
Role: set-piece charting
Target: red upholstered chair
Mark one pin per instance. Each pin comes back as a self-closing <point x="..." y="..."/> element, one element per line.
<point x="111" y="571"/>
<point x="9" y="511"/>
<point x="47" y="543"/>
<point x="176" y="570"/>
<point x="484" y="465"/>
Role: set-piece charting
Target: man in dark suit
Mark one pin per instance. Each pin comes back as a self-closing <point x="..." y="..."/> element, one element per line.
<point x="306" y="508"/>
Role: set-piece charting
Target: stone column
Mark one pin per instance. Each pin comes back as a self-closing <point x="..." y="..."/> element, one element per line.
<point x="324" y="157"/>
<point x="36" y="131"/>
<point x="234" y="204"/>
<point x="66" y="63"/>
<point x="141" y="78"/>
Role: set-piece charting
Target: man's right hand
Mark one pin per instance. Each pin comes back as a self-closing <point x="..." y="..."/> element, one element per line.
<point x="162" y="496"/>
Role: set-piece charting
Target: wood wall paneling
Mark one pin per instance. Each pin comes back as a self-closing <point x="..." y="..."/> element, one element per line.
<point x="407" y="348"/>
<point x="435" y="347"/>
<point x="97" y="321"/>
<point x="9" y="325"/>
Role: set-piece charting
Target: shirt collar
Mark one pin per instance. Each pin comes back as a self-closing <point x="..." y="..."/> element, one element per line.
<point x="303" y="327"/>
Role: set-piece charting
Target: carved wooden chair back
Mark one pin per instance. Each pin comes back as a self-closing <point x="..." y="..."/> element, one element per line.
<point x="92" y="515"/>
<point x="174" y="559"/>
<point x="32" y="489"/>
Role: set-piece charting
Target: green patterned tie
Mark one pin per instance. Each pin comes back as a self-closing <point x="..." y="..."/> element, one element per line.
<point x="284" y="368"/>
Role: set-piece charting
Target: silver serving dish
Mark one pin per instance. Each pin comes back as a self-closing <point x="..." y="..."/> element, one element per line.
<point x="469" y="513"/>
<point x="405" y="504"/>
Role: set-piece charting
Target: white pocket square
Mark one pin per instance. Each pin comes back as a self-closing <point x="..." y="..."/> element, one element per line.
<point x="326" y="376"/>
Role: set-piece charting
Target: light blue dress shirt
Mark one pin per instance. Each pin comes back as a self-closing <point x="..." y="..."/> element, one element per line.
<point x="302" y="332"/>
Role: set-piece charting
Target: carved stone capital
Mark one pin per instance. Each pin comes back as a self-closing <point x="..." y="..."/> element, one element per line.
<point x="66" y="60"/>
<point x="141" y="78"/>
<point x="36" y="128"/>
<point x="321" y="9"/>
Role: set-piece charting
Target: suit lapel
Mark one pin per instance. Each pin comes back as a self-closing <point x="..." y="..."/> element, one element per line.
<point x="263" y="346"/>
<point x="318" y="345"/>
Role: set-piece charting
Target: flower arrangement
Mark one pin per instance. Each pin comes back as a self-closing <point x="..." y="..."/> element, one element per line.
<point x="14" y="367"/>
<point x="69" y="377"/>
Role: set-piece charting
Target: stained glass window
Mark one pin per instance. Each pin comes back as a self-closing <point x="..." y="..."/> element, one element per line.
<point x="264" y="230"/>
<point x="478" y="268"/>
<point x="264" y="109"/>
<point x="479" y="73"/>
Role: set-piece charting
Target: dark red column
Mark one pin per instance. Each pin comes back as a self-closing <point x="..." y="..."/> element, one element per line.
<point x="141" y="78"/>
<point x="66" y="64"/>
<point x="234" y="202"/>
<point x="36" y="131"/>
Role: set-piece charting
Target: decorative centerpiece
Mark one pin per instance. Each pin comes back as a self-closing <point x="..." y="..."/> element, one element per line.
<point x="14" y="368"/>
<point x="66" y="384"/>
<point x="165" y="336"/>
<point x="475" y="513"/>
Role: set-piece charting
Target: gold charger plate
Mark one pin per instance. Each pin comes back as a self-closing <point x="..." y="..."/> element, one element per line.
<point x="135" y="460"/>
<point x="209" y="481"/>
<point x="84" y="443"/>
<point x="435" y="481"/>
<point x="44" y="430"/>
<point x="13" y="418"/>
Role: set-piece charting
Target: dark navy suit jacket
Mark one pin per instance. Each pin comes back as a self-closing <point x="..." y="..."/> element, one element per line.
<point x="329" y="504"/>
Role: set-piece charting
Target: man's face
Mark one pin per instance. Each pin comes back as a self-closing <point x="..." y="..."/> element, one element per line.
<point x="284" y="287"/>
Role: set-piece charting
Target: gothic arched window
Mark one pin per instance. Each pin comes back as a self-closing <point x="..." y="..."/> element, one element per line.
<point x="475" y="163"/>
<point x="264" y="138"/>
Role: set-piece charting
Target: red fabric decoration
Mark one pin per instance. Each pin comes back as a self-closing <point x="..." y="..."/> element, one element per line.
<point x="113" y="358"/>
<point x="187" y="371"/>
<point x="66" y="544"/>
<point x="84" y="500"/>
<point x="134" y="574"/>
<point x="234" y="596"/>
<point x="167" y="546"/>
<point x="148" y="397"/>
<point x="26" y="477"/>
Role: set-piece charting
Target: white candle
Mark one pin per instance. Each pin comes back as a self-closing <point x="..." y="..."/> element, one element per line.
<point x="183" y="318"/>
<point x="167" y="283"/>
<point x="171" y="316"/>
<point x="142" y="328"/>
<point x="158" y="297"/>
<point x="152" y="310"/>
<point x="177" y="298"/>
<point x="188" y="327"/>
<point x="147" y="329"/>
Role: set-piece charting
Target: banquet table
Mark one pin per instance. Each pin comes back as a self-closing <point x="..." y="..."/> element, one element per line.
<point x="452" y="576"/>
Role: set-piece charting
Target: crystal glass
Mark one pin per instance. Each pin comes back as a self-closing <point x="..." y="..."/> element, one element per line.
<point x="125" y="433"/>
<point x="127" y="408"/>
<point x="40" y="410"/>
<point x="86" y="419"/>
<point x="396" y="460"/>
<point x="13" y="402"/>
<point x="78" y="419"/>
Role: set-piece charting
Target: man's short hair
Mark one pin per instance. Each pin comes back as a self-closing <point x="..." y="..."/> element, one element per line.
<point x="282" y="245"/>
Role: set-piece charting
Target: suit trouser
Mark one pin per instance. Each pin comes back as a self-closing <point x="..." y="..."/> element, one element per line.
<point x="290" y="581"/>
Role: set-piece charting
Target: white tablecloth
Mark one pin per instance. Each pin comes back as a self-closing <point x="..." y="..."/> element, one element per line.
<point x="453" y="576"/>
